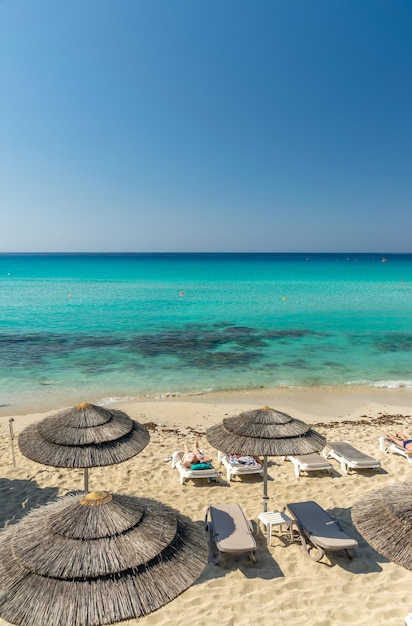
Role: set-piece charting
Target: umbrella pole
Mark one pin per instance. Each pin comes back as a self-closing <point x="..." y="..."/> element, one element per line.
<point x="86" y="480"/>
<point x="265" y="498"/>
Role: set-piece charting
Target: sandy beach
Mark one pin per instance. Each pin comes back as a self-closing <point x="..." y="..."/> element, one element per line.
<point x="284" y="586"/>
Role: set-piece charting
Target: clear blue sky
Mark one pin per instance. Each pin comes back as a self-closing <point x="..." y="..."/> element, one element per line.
<point x="206" y="125"/>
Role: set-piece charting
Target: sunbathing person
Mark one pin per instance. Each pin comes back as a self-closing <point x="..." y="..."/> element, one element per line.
<point x="191" y="457"/>
<point x="246" y="460"/>
<point x="401" y="440"/>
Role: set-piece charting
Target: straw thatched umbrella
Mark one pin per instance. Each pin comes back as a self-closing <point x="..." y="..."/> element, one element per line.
<point x="264" y="432"/>
<point x="83" y="436"/>
<point x="97" y="559"/>
<point x="384" y="518"/>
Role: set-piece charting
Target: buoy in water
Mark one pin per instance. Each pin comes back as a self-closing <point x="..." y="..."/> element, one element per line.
<point x="284" y="298"/>
<point x="180" y="293"/>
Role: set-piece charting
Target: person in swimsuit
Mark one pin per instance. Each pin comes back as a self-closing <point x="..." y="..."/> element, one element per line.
<point x="190" y="457"/>
<point x="401" y="440"/>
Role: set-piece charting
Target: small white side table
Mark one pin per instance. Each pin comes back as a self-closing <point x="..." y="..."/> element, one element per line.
<point x="274" y="519"/>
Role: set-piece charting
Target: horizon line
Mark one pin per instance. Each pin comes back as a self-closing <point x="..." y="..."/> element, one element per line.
<point x="119" y="252"/>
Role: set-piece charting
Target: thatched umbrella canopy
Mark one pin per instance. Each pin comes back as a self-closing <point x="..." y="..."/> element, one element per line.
<point x="97" y="559"/>
<point x="83" y="436"/>
<point x="384" y="518"/>
<point x="264" y="432"/>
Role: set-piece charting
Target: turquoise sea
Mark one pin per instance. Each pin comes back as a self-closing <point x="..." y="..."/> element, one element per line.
<point x="100" y="327"/>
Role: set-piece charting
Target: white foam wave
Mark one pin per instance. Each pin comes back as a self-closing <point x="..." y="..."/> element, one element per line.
<point x="382" y="384"/>
<point x="393" y="384"/>
<point x="154" y="396"/>
<point x="115" y="399"/>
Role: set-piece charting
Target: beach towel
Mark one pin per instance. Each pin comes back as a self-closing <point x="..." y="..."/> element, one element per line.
<point x="244" y="460"/>
<point x="200" y="466"/>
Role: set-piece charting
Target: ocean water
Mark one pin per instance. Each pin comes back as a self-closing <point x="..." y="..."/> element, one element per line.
<point x="99" y="327"/>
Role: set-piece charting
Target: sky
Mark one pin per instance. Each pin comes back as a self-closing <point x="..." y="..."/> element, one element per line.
<point x="205" y="126"/>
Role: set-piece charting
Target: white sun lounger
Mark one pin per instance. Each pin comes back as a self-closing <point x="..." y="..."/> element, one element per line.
<point x="408" y="619"/>
<point x="313" y="462"/>
<point x="237" y="469"/>
<point x="318" y="529"/>
<point x="186" y="473"/>
<point x="229" y="531"/>
<point x="349" y="457"/>
<point x="387" y="445"/>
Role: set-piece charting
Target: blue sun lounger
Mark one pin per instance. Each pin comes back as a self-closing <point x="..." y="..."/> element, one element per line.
<point x="319" y="530"/>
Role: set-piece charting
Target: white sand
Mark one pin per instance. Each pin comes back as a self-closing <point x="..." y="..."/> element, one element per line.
<point x="284" y="586"/>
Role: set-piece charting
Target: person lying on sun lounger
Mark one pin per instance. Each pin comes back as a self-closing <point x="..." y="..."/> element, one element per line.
<point x="245" y="460"/>
<point x="401" y="440"/>
<point x="191" y="457"/>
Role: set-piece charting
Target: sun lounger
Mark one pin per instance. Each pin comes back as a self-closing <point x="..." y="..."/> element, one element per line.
<point x="408" y="619"/>
<point x="310" y="463"/>
<point x="186" y="473"/>
<point x="349" y="457"/>
<point x="237" y="469"/>
<point x="318" y="529"/>
<point x="229" y="531"/>
<point x="387" y="445"/>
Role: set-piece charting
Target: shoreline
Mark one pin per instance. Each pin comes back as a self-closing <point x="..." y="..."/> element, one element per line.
<point x="312" y="405"/>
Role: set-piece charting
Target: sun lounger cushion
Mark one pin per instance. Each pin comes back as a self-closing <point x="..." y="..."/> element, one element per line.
<point x="350" y="457"/>
<point x="229" y="531"/>
<point x="320" y="529"/>
<point x="310" y="463"/>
